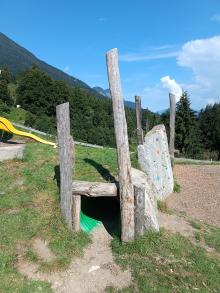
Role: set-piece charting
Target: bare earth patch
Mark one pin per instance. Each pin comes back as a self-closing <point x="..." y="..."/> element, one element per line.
<point x="92" y="273"/>
<point x="40" y="247"/>
<point x="200" y="192"/>
<point x="175" y="224"/>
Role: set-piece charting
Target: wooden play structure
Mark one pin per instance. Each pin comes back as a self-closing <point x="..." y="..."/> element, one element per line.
<point x="71" y="191"/>
<point x="132" y="198"/>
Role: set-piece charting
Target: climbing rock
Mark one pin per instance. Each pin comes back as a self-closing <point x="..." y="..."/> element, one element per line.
<point x="154" y="159"/>
<point x="140" y="179"/>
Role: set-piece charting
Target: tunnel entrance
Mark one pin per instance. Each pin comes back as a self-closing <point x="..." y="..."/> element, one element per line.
<point x="105" y="210"/>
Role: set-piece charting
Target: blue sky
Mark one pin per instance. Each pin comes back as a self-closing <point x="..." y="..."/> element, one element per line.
<point x="155" y="39"/>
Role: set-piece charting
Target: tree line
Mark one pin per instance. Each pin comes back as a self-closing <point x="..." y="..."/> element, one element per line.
<point x="197" y="134"/>
<point x="91" y="117"/>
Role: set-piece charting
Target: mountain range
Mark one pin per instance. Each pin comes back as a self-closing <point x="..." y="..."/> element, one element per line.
<point x="18" y="59"/>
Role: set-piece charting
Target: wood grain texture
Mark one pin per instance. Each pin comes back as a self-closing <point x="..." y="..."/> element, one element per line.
<point x="123" y="156"/>
<point x="76" y="209"/>
<point x="138" y="110"/>
<point x="65" y="147"/>
<point x="139" y="209"/>
<point x="94" y="189"/>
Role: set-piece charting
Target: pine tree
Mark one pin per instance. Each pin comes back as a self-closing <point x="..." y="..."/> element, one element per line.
<point x="209" y="121"/>
<point x="188" y="135"/>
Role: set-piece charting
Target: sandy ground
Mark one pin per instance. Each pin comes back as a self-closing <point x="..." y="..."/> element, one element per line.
<point x="89" y="274"/>
<point x="200" y="192"/>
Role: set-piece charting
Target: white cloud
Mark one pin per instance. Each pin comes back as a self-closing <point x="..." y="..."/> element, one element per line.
<point x="132" y="57"/>
<point x="203" y="58"/>
<point x="172" y="86"/>
<point x="66" y="69"/>
<point x="216" y="17"/>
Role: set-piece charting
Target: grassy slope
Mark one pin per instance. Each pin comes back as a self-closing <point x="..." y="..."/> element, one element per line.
<point x="16" y="115"/>
<point x="29" y="188"/>
<point x="160" y="262"/>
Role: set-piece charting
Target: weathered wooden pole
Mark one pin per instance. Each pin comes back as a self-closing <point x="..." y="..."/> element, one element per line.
<point x="76" y="209"/>
<point x="139" y="203"/>
<point x="140" y="136"/>
<point x="172" y="125"/>
<point x="124" y="164"/>
<point x="65" y="146"/>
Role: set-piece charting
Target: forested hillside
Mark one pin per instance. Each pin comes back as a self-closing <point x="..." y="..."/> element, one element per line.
<point x="197" y="134"/>
<point x="91" y="118"/>
<point x="17" y="59"/>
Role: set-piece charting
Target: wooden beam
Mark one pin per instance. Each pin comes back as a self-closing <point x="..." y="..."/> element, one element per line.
<point x="124" y="164"/>
<point x="172" y="125"/>
<point x="76" y="209"/>
<point x="139" y="204"/>
<point x="140" y="136"/>
<point x="65" y="147"/>
<point x="94" y="189"/>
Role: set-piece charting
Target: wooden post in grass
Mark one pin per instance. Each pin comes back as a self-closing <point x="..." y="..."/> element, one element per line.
<point x="140" y="137"/>
<point x="172" y="125"/>
<point x="126" y="190"/>
<point x="65" y="145"/>
<point x="139" y="203"/>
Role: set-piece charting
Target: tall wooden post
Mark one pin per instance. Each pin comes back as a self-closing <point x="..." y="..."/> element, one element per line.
<point x="65" y="146"/>
<point x="124" y="164"/>
<point x="172" y="125"/>
<point x="139" y="203"/>
<point x="140" y="136"/>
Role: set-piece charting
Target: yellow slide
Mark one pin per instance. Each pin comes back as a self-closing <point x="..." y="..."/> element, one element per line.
<point x="8" y="127"/>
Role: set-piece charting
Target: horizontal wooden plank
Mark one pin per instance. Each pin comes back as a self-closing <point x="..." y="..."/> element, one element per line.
<point x="94" y="189"/>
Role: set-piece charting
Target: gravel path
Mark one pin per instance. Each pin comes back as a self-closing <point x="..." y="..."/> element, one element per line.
<point x="200" y="192"/>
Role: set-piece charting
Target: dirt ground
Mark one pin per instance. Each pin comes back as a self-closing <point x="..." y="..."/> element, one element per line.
<point x="200" y="192"/>
<point x="199" y="198"/>
<point x="91" y="273"/>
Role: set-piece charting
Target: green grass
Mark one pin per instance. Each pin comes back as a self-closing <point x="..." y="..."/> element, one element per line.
<point x="162" y="206"/>
<point x="94" y="164"/>
<point x="199" y="162"/>
<point x="17" y="115"/>
<point x="177" y="187"/>
<point x="163" y="262"/>
<point x="208" y="234"/>
<point x="29" y="188"/>
<point x="160" y="262"/>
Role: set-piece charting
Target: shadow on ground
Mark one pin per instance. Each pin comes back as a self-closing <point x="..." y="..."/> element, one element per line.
<point x="106" y="175"/>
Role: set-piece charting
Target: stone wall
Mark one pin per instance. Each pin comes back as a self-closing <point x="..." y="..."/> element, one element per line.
<point x="154" y="159"/>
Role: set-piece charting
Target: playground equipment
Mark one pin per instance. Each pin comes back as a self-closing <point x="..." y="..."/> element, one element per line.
<point x="86" y="223"/>
<point x="7" y="126"/>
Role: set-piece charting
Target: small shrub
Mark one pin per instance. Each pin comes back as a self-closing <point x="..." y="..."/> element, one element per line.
<point x="162" y="206"/>
<point x="177" y="187"/>
<point x="196" y="225"/>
